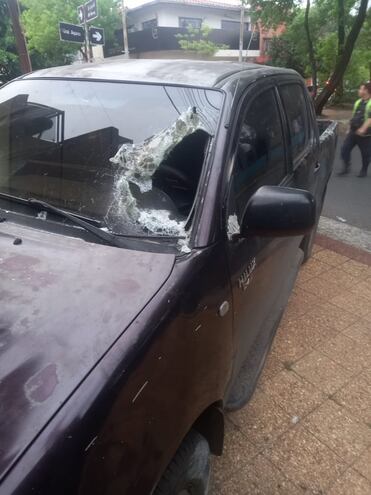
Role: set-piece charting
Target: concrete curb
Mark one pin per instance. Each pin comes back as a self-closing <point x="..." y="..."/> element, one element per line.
<point x="347" y="240"/>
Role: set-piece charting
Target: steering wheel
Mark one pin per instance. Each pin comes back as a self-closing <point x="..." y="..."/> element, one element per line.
<point x="172" y="173"/>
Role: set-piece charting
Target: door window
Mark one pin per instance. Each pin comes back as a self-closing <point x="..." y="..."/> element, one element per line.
<point x="152" y="23"/>
<point x="296" y="112"/>
<point x="190" y="22"/>
<point x="260" y="155"/>
<point x="234" y="26"/>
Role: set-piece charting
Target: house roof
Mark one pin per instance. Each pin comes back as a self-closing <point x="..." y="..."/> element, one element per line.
<point x="214" y="4"/>
<point x="184" y="72"/>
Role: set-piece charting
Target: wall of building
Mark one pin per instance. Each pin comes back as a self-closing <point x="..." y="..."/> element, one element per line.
<point x="223" y="55"/>
<point x="168" y="15"/>
<point x="233" y="54"/>
<point x="165" y="38"/>
<point x="135" y="19"/>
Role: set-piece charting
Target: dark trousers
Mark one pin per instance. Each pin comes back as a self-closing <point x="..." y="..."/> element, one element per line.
<point x="364" y="144"/>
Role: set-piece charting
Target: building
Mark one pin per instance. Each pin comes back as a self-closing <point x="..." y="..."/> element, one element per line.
<point x="265" y="37"/>
<point x="152" y="28"/>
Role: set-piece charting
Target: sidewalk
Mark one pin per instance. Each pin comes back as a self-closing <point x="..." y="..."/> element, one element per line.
<point x="307" y="429"/>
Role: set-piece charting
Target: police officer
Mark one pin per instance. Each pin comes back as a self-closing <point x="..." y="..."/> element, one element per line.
<point x="360" y="131"/>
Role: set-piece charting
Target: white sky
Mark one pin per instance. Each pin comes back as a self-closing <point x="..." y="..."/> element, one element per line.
<point x="135" y="3"/>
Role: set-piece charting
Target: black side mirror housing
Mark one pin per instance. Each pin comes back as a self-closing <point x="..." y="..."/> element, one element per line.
<point x="275" y="211"/>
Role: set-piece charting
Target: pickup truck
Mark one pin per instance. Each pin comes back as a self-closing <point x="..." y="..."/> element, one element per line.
<point x="153" y="218"/>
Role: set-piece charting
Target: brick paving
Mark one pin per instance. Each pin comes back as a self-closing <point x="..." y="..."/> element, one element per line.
<point x="307" y="429"/>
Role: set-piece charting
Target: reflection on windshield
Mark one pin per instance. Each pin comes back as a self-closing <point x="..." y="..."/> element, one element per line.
<point x="127" y="154"/>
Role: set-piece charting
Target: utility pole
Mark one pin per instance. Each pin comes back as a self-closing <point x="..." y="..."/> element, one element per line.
<point x="242" y="28"/>
<point x="87" y="42"/>
<point x="24" y="58"/>
<point x="125" y="30"/>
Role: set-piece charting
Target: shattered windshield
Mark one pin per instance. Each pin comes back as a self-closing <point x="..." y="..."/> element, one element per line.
<point x="128" y="155"/>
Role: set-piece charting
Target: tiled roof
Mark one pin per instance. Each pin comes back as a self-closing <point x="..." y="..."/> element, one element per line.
<point x="236" y="5"/>
<point x="212" y="3"/>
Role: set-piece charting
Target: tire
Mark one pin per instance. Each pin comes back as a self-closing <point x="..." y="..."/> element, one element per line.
<point x="189" y="471"/>
<point x="245" y="382"/>
<point x="308" y="241"/>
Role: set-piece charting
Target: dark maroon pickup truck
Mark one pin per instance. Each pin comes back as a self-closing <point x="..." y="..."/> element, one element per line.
<point x="153" y="218"/>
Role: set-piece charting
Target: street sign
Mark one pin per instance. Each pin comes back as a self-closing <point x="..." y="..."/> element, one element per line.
<point x="91" y="10"/>
<point x="71" y="32"/>
<point x="96" y="35"/>
<point x="81" y="13"/>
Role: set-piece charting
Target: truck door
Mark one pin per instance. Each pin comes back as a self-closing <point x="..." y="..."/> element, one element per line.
<point x="262" y="270"/>
<point x="302" y="138"/>
<point x="309" y="169"/>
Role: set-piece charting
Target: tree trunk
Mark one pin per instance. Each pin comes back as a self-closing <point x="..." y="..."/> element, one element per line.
<point x="20" y="41"/>
<point x="343" y="62"/>
<point x="341" y="43"/>
<point x="312" y="57"/>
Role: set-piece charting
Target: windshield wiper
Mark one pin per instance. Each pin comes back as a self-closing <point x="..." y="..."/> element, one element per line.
<point x="113" y="238"/>
<point x="105" y="236"/>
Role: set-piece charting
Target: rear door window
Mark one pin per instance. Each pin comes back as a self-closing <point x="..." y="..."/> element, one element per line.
<point x="296" y="111"/>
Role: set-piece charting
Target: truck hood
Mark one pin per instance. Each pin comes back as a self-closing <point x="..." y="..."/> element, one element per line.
<point x="63" y="303"/>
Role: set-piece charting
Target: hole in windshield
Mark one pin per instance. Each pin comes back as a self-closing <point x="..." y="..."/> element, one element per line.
<point x="129" y="155"/>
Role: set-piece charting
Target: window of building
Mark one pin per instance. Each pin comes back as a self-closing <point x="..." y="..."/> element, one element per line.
<point x="234" y="25"/>
<point x="152" y="23"/>
<point x="267" y="43"/>
<point x="296" y="111"/>
<point x="193" y="22"/>
<point x="260" y="157"/>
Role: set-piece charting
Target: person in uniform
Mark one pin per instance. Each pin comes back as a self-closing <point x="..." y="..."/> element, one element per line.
<point x="360" y="132"/>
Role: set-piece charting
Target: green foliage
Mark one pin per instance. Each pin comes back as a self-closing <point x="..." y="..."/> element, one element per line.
<point x="271" y="13"/>
<point x="40" y="20"/>
<point x="196" y="40"/>
<point x="41" y="24"/>
<point x="291" y="50"/>
<point x="283" y="52"/>
<point x="9" y="67"/>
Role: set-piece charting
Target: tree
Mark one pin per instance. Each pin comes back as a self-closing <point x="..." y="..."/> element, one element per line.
<point x="328" y="25"/>
<point x="284" y="52"/>
<point x="196" y="40"/>
<point x="9" y="66"/>
<point x="41" y="23"/>
<point x="344" y="59"/>
<point x="271" y="13"/>
<point x="311" y="52"/>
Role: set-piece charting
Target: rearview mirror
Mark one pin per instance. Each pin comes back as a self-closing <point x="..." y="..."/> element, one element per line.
<point x="275" y="211"/>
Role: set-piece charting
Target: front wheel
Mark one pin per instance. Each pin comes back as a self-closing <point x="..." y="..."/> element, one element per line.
<point x="189" y="471"/>
<point x="308" y="241"/>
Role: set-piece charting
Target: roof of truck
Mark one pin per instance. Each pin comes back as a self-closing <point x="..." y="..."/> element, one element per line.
<point x="184" y="72"/>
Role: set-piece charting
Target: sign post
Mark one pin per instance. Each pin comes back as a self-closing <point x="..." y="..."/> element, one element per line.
<point x="96" y="35"/>
<point x="87" y="12"/>
<point x="82" y="34"/>
<point x="81" y="13"/>
<point x="125" y="30"/>
<point x="71" y="32"/>
<point x="91" y="10"/>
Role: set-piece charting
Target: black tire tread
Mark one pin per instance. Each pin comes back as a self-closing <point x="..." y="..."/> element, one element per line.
<point x="179" y="463"/>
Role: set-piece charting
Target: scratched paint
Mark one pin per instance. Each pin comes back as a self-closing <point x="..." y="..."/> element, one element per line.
<point x="140" y="391"/>
<point x="41" y="385"/>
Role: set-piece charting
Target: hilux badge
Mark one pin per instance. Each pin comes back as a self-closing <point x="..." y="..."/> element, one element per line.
<point x="245" y="277"/>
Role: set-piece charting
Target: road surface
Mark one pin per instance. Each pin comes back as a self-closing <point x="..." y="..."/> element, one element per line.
<point x="347" y="208"/>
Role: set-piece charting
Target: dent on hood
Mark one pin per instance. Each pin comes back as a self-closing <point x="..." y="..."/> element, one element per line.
<point x="137" y="163"/>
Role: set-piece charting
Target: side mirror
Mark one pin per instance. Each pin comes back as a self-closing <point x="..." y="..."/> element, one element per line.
<point x="275" y="211"/>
